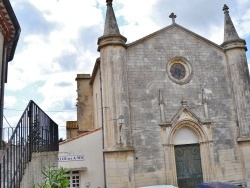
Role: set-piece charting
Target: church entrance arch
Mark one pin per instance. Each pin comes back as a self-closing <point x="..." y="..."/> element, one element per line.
<point x="187" y="158"/>
<point x="189" y="154"/>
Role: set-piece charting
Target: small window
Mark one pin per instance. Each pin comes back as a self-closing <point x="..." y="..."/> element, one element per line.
<point x="74" y="178"/>
<point x="179" y="70"/>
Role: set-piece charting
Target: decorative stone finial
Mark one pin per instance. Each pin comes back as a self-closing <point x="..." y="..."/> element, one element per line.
<point x="111" y="26"/>
<point x="173" y="16"/>
<point x="111" y="35"/>
<point x="161" y="101"/>
<point x="230" y="33"/>
<point x="109" y="2"/>
<point x="225" y="9"/>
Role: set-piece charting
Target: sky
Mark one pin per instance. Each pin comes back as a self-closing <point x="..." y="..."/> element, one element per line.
<point x="59" y="40"/>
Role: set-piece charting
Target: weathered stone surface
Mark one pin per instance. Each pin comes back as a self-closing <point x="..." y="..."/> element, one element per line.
<point x="84" y="103"/>
<point x="208" y="99"/>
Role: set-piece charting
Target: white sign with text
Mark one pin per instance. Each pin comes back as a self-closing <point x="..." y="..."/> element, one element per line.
<point x="71" y="158"/>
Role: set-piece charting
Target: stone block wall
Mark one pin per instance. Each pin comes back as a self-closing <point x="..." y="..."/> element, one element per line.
<point x="210" y="83"/>
<point x="84" y="103"/>
<point x="33" y="172"/>
<point x="119" y="169"/>
<point x="245" y="151"/>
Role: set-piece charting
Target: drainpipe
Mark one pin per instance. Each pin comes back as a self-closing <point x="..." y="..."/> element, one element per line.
<point x="3" y="80"/>
<point x="104" y="169"/>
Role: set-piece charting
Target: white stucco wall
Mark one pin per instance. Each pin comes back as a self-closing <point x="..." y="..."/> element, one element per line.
<point x="91" y="168"/>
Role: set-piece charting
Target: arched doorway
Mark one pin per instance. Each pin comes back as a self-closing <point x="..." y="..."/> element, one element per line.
<point x="189" y="154"/>
<point x="187" y="158"/>
<point x="184" y="130"/>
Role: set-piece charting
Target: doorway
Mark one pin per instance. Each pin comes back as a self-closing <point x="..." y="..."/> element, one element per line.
<point x="188" y="165"/>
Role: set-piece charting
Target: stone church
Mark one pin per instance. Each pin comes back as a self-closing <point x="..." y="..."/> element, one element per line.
<point x="173" y="106"/>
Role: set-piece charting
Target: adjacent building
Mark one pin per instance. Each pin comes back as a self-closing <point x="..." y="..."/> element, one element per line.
<point x="170" y="108"/>
<point x="33" y="144"/>
<point x="85" y="164"/>
<point x="9" y="35"/>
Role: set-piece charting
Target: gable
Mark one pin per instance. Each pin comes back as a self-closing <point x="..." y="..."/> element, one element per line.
<point x="171" y="32"/>
<point x="149" y="60"/>
<point x="152" y="54"/>
<point x="184" y="114"/>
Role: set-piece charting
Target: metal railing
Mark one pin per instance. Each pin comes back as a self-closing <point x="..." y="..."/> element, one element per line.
<point x="6" y="134"/>
<point x="35" y="132"/>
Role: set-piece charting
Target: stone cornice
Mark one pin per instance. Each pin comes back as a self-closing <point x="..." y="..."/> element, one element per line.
<point x="247" y="139"/>
<point x="9" y="26"/>
<point x="169" y="124"/>
<point x="233" y="44"/>
<point x="119" y="149"/>
<point x="6" y="25"/>
<point x="111" y="40"/>
<point x="165" y="124"/>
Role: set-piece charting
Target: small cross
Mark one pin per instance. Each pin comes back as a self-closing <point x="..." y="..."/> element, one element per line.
<point x="109" y="2"/>
<point x="225" y="9"/>
<point x="173" y="16"/>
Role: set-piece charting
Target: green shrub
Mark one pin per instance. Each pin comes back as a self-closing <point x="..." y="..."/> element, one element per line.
<point x="54" y="178"/>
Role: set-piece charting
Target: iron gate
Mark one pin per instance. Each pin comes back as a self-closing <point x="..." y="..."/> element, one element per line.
<point x="188" y="165"/>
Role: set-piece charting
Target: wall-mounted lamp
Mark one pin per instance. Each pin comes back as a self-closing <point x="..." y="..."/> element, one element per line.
<point x="121" y="120"/>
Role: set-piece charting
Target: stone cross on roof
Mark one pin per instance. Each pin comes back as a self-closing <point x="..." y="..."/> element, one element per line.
<point x="109" y="2"/>
<point x="173" y="16"/>
<point x="225" y="8"/>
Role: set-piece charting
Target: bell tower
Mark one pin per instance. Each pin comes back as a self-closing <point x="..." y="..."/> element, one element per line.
<point x="112" y="50"/>
<point x="235" y="49"/>
<point x="118" y="149"/>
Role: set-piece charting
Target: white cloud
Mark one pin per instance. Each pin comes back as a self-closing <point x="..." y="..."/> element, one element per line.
<point x="73" y="14"/>
<point x="9" y="101"/>
<point x="60" y="87"/>
<point x="138" y="23"/>
<point x="41" y="50"/>
<point x="61" y="118"/>
<point x="216" y="34"/>
<point x="244" y="24"/>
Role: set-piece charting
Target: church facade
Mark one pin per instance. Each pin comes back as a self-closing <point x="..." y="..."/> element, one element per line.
<point x="174" y="107"/>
